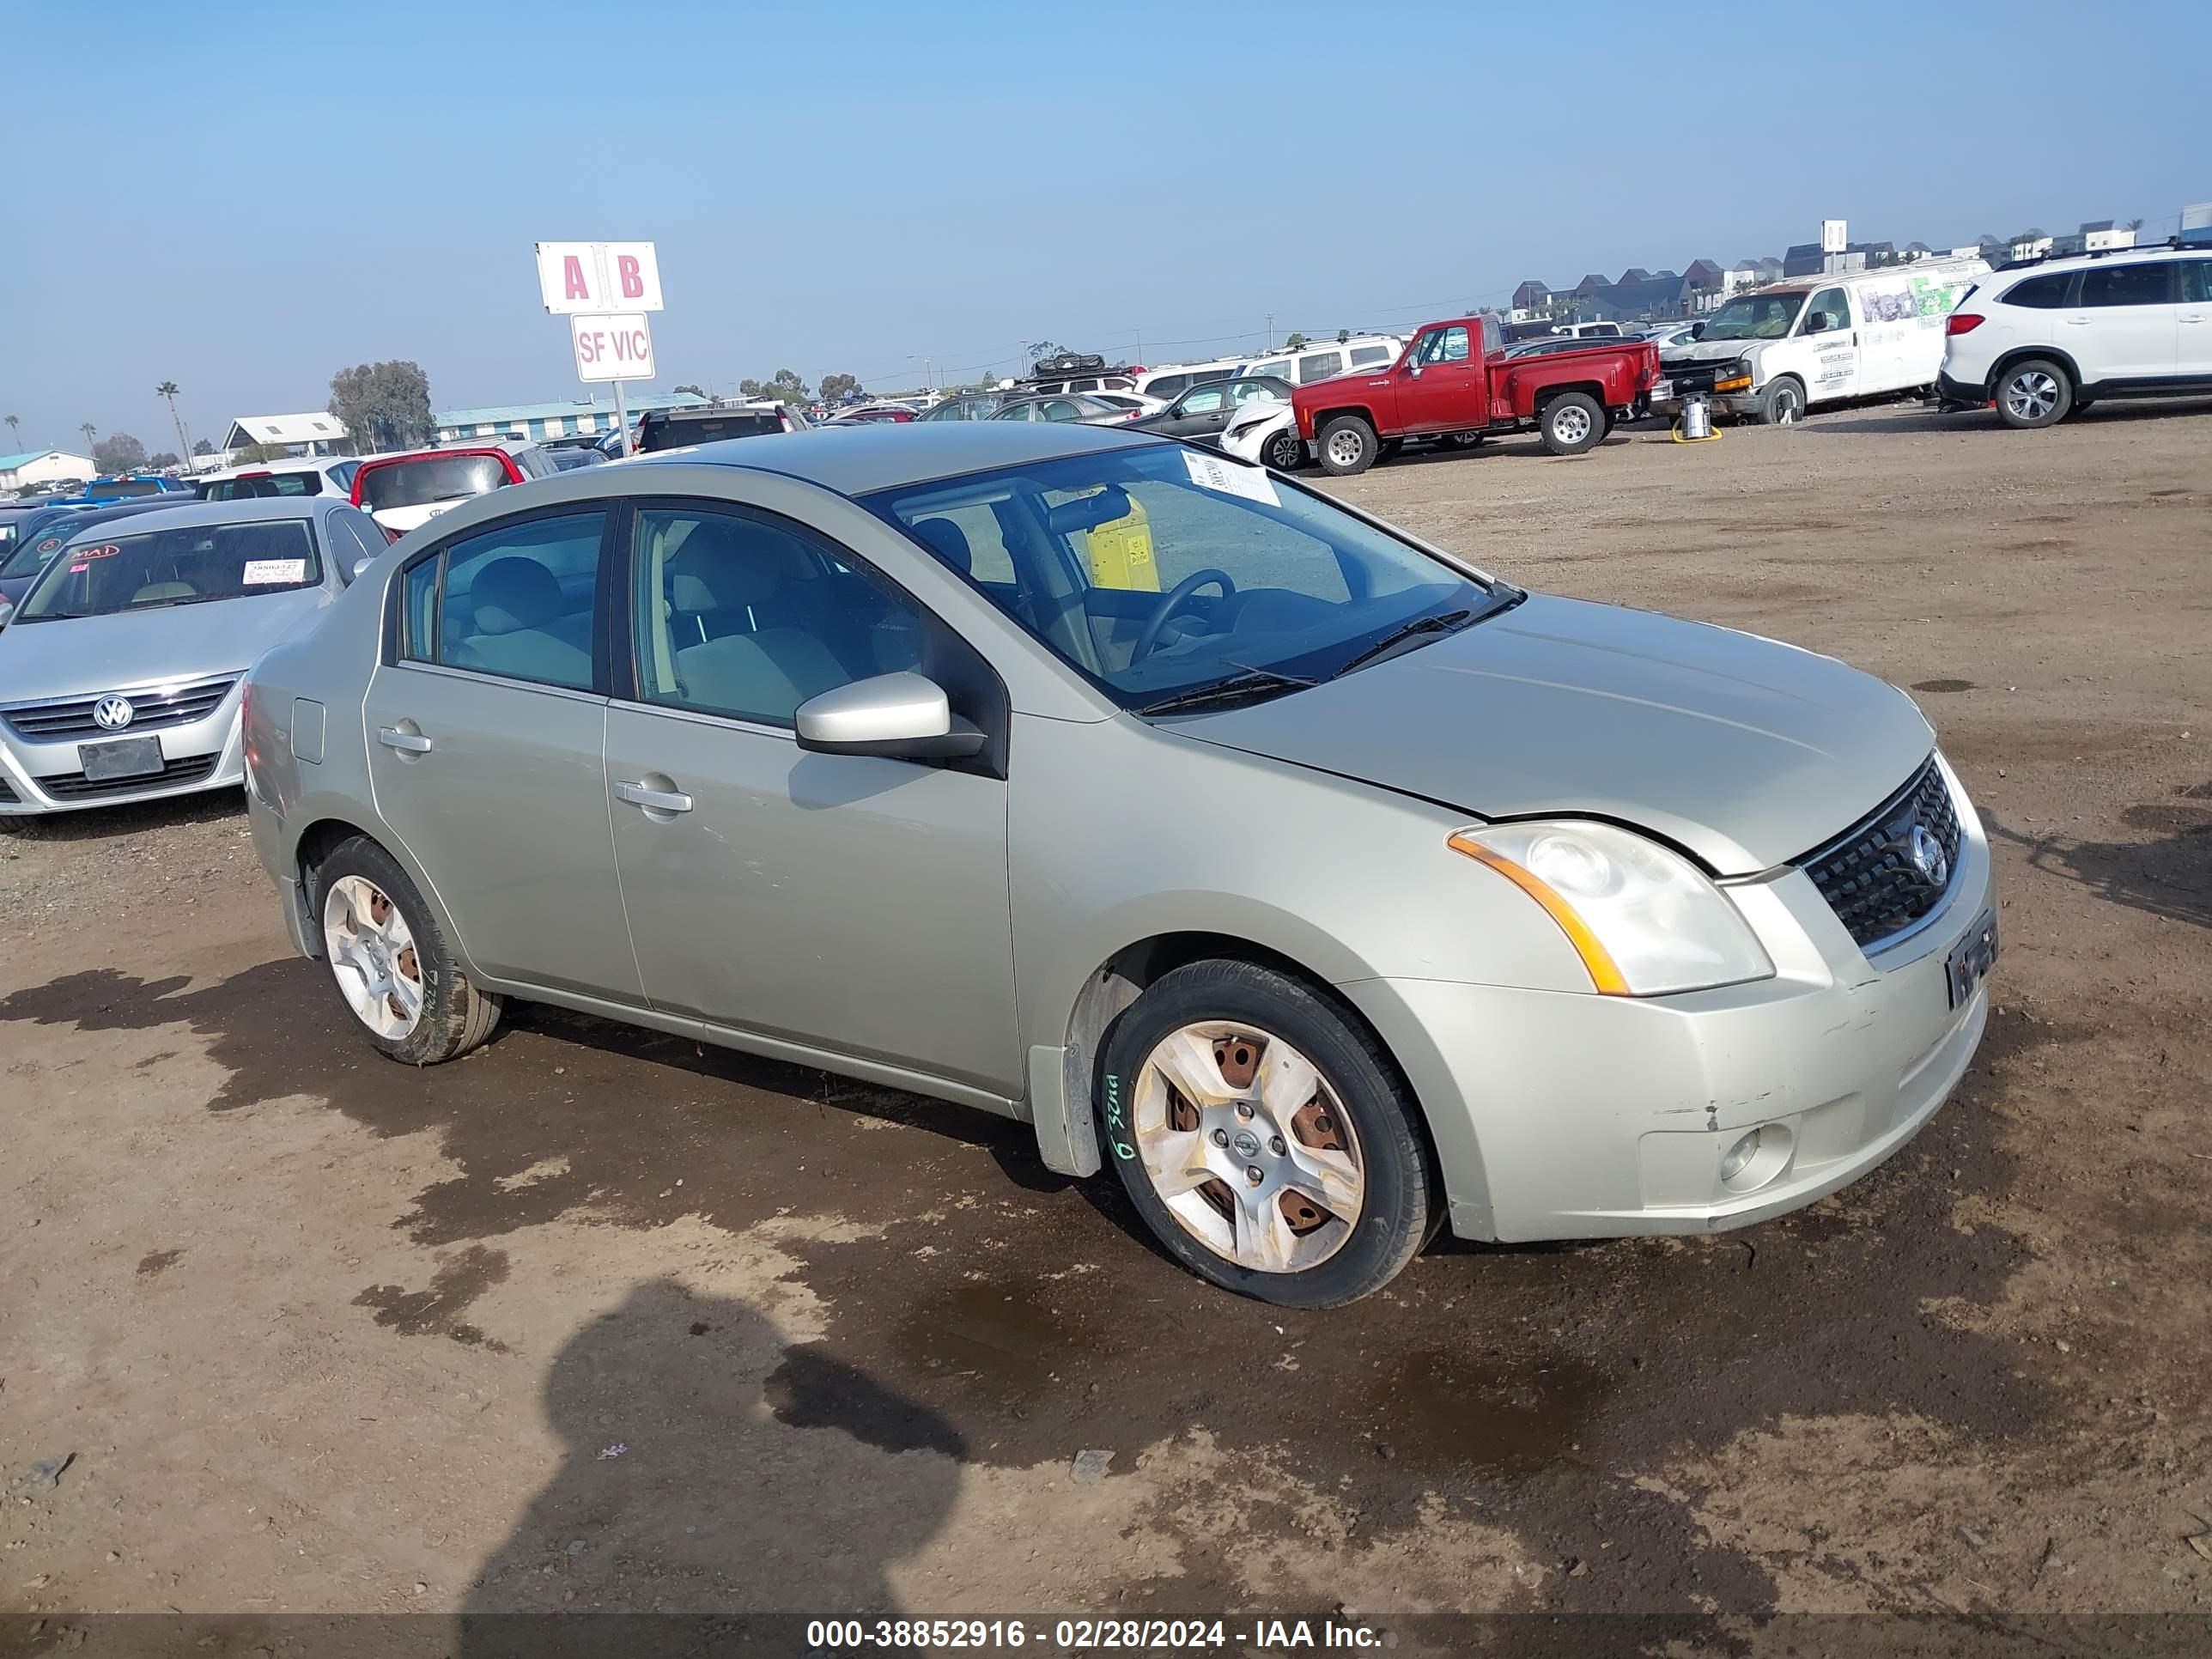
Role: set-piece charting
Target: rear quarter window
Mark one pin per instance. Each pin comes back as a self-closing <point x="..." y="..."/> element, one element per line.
<point x="2044" y="292"/>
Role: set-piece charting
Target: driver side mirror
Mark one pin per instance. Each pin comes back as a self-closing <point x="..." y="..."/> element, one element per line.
<point x="903" y="716"/>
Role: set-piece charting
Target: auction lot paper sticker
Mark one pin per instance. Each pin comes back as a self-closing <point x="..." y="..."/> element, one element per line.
<point x="260" y="572"/>
<point x="1231" y="478"/>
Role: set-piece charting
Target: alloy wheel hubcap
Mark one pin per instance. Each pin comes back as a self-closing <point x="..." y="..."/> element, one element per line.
<point x="1346" y="448"/>
<point x="1284" y="456"/>
<point x="372" y="957"/>
<point x="2032" y="397"/>
<point x="1246" y="1146"/>
<point x="1571" y="426"/>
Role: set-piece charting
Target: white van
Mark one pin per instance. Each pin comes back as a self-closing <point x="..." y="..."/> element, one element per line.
<point x="1772" y="353"/>
<point x="1322" y="360"/>
<point x="1170" y="381"/>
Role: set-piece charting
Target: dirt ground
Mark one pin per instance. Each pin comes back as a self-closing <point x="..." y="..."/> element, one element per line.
<point x="596" y="1320"/>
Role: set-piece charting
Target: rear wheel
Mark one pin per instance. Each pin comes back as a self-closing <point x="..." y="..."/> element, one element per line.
<point x="389" y="962"/>
<point x="1264" y="1138"/>
<point x="2034" y="392"/>
<point x="1782" y="404"/>
<point x="1572" y="423"/>
<point x="1346" y="445"/>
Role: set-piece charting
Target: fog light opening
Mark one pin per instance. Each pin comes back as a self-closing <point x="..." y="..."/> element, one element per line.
<point x="1755" y="1158"/>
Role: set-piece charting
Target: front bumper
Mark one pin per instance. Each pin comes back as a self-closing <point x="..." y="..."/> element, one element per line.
<point x="1574" y="1116"/>
<point x="1733" y="402"/>
<point x="40" y="777"/>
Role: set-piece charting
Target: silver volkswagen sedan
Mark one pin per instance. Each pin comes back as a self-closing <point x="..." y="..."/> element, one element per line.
<point x="120" y="669"/>
<point x="1329" y="889"/>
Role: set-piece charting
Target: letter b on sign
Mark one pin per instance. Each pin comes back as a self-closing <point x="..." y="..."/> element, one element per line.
<point x="633" y="283"/>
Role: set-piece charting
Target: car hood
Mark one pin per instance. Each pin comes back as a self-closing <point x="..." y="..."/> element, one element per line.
<point x="86" y="656"/>
<point x="1745" y="752"/>
<point x="1713" y="351"/>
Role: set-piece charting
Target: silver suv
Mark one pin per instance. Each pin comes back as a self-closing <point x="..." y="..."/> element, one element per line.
<point x="1328" y="888"/>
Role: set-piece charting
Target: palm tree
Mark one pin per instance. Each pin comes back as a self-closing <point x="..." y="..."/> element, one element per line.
<point x="14" y="421"/>
<point x="169" y="389"/>
<point x="90" y="432"/>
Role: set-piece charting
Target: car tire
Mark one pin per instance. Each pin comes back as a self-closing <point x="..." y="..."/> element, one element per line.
<point x="378" y="940"/>
<point x="1345" y="446"/>
<point x="1285" y="452"/>
<point x="2034" y="392"/>
<point x="1357" y="1126"/>
<point x="1572" y="423"/>
<point x="1783" y="402"/>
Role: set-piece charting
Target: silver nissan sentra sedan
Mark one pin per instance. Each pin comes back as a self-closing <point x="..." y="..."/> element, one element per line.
<point x="120" y="669"/>
<point x="1329" y="889"/>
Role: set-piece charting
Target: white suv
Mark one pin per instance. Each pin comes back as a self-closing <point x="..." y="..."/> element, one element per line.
<point x="2038" y="344"/>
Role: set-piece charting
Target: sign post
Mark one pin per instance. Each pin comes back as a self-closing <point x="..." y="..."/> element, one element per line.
<point x="605" y="289"/>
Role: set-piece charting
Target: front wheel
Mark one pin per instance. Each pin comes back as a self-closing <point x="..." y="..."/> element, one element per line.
<point x="1265" y="1138"/>
<point x="1285" y="452"/>
<point x="2033" y="393"/>
<point x="1572" y="423"/>
<point x="390" y="963"/>
<point x="1346" y="446"/>
<point x="1782" y="404"/>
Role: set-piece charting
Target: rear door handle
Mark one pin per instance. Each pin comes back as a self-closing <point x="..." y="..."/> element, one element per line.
<point x="653" y="800"/>
<point x="407" y="743"/>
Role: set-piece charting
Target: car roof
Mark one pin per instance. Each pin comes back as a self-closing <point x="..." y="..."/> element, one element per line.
<point x="883" y="454"/>
<point x="292" y="463"/>
<point x="252" y="510"/>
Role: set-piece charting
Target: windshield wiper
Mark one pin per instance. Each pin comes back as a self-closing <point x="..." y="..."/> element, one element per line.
<point x="1237" y="688"/>
<point x="1503" y="596"/>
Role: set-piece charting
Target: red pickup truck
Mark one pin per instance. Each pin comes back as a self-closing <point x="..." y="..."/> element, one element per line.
<point x="1456" y="382"/>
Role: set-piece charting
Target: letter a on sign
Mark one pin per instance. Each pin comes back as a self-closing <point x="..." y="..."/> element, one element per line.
<point x="573" y="286"/>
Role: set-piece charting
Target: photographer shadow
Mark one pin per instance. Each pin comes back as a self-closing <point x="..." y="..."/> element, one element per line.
<point x="716" y="1493"/>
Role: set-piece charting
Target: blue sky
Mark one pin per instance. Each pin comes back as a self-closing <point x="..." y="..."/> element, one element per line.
<point x="246" y="198"/>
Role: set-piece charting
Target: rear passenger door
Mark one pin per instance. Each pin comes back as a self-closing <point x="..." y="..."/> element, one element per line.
<point x="486" y="734"/>
<point x="841" y="903"/>
<point x="2127" y="322"/>
<point x="2193" y="359"/>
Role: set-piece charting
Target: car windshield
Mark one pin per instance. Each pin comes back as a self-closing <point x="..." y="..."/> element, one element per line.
<point x="1754" y="317"/>
<point x="428" y="479"/>
<point x="125" y="489"/>
<point x="99" y="575"/>
<point x="1157" y="570"/>
<point x="253" y="486"/>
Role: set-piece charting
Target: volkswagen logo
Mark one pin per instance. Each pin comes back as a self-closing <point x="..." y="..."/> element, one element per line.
<point x="1926" y="855"/>
<point x="113" y="713"/>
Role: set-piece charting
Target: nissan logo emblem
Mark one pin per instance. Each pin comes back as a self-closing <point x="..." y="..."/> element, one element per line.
<point x="1928" y="857"/>
<point x="113" y="713"/>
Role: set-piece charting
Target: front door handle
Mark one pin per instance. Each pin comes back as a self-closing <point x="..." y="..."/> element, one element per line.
<point x="653" y="800"/>
<point x="407" y="743"/>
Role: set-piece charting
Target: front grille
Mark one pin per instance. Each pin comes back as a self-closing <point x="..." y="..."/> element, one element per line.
<point x="1867" y="875"/>
<point x="1693" y="377"/>
<point x="64" y="722"/>
<point x="74" y="785"/>
<point x="8" y="796"/>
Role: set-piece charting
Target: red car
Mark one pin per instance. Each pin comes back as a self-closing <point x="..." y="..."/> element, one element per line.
<point x="401" y="491"/>
<point x="871" y="412"/>
<point x="1456" y="382"/>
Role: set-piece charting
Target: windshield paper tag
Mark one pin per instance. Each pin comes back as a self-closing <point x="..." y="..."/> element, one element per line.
<point x="1231" y="478"/>
<point x="260" y="572"/>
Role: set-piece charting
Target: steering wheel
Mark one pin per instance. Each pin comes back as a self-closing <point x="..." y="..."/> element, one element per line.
<point x="1170" y="602"/>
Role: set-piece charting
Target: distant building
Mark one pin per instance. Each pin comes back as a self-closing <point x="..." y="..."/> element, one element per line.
<point x="317" y="433"/>
<point x="45" y="466"/>
<point x="538" y="421"/>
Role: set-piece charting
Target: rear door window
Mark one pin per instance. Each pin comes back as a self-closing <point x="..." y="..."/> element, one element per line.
<point x="519" y="600"/>
<point x="2147" y="284"/>
<point x="1320" y="365"/>
<point x="1362" y="357"/>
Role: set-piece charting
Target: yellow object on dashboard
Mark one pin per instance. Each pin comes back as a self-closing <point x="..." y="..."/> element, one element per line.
<point x="1121" y="552"/>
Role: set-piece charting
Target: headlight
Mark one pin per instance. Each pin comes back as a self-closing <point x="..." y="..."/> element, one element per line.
<point x="1736" y="377"/>
<point x="1644" y="921"/>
